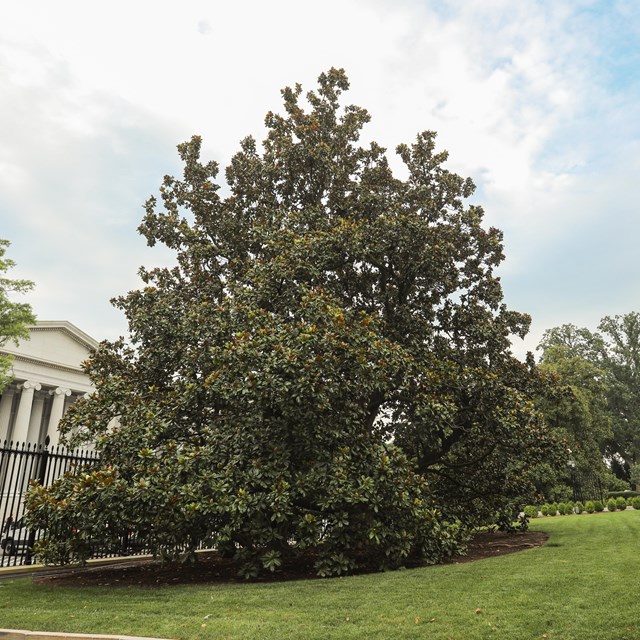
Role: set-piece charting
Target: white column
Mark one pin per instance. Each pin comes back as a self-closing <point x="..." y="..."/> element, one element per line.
<point x="57" y="410"/>
<point x="21" y="428"/>
<point x="33" y="435"/>
<point x="6" y="402"/>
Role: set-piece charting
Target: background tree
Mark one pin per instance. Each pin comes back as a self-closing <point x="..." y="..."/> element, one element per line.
<point x="569" y="341"/>
<point x="621" y="358"/>
<point x="612" y="355"/>
<point x="575" y="405"/>
<point x="327" y="367"/>
<point x="14" y="316"/>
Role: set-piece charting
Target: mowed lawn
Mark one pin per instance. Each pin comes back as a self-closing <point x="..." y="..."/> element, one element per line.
<point x="584" y="584"/>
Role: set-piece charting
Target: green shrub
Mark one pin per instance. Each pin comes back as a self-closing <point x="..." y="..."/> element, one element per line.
<point x="611" y="504"/>
<point x="530" y="511"/>
<point x="598" y="506"/>
<point x="544" y="509"/>
<point x="621" y="503"/>
<point x="635" y="503"/>
<point x="563" y="508"/>
<point x="553" y="509"/>
<point x="624" y="494"/>
<point x="579" y="507"/>
<point x="590" y="507"/>
<point x="568" y="507"/>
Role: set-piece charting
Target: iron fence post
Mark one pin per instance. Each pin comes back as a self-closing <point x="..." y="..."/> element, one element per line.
<point x="42" y="474"/>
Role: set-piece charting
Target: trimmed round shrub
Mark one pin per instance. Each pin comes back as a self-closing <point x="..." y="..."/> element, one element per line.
<point x="553" y="509"/>
<point x="568" y="507"/>
<point x="579" y="507"/>
<point x="598" y="506"/>
<point x="621" y="503"/>
<point x="611" y="504"/>
<point x="531" y="511"/>
<point x="544" y="509"/>
<point x="562" y="508"/>
<point x="635" y="503"/>
<point x="590" y="507"/>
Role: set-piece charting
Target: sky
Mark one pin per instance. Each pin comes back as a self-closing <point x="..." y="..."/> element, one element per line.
<point x="538" y="101"/>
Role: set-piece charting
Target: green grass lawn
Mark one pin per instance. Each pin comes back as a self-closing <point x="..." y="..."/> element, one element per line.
<point x="584" y="584"/>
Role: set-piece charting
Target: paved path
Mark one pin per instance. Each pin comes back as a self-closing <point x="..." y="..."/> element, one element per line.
<point x="41" y="569"/>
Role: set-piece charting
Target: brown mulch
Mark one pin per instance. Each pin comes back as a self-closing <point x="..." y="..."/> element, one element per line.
<point x="489" y="544"/>
<point x="210" y="568"/>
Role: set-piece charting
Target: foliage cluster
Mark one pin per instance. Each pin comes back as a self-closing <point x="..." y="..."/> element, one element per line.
<point x="14" y="316"/>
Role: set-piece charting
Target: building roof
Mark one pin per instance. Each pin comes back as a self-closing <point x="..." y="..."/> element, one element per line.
<point x="54" y="354"/>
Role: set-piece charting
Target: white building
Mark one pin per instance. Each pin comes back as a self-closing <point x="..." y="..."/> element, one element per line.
<point x="48" y="379"/>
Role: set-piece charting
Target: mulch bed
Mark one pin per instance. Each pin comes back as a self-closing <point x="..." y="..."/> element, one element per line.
<point x="489" y="544"/>
<point x="211" y="568"/>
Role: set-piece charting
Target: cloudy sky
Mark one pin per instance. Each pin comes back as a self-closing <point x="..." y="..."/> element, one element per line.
<point x="537" y="100"/>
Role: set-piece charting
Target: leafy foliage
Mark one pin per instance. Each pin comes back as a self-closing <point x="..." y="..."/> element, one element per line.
<point x="326" y="370"/>
<point x="634" y="475"/>
<point x="14" y="316"/>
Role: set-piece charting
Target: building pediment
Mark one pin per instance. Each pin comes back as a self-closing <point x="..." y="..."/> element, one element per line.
<point x="48" y="377"/>
<point x="54" y="353"/>
<point x="58" y="344"/>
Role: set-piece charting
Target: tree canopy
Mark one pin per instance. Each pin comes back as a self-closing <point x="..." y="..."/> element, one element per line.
<point x="14" y="316"/>
<point x="325" y="371"/>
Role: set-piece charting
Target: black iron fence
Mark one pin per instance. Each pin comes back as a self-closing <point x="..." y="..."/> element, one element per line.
<point x="21" y="463"/>
<point x="587" y="486"/>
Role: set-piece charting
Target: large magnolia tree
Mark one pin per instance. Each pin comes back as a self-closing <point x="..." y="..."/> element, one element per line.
<point x="326" y="372"/>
